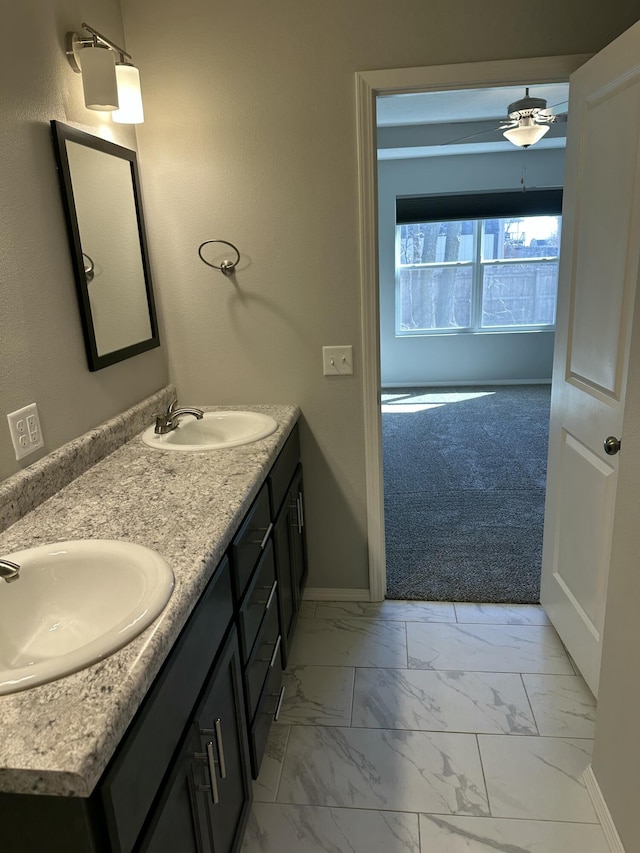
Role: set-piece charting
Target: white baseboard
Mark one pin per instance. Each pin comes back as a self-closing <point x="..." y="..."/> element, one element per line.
<point x="602" y="810"/>
<point x="321" y="593"/>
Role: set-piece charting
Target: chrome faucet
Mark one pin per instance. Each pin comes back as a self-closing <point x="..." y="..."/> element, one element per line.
<point x="169" y="420"/>
<point x="9" y="571"/>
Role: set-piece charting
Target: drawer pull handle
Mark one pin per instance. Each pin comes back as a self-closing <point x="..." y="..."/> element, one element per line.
<point x="275" y="651"/>
<point x="223" y="765"/>
<point x="267" y="602"/>
<point x="279" y="705"/>
<point x="271" y="594"/>
<point x="212" y="773"/>
<point x="272" y="659"/>
<point x="262" y="543"/>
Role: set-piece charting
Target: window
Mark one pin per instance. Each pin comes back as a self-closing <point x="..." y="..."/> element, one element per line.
<point x="474" y="275"/>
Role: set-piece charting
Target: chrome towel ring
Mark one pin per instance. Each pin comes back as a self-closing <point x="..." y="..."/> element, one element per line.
<point x="227" y="267"/>
<point x="89" y="267"/>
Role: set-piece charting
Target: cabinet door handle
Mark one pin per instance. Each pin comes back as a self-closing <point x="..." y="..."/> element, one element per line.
<point x="212" y="773"/>
<point x="275" y="651"/>
<point x="223" y="766"/>
<point x="265" y="538"/>
<point x="279" y="705"/>
<point x="300" y="503"/>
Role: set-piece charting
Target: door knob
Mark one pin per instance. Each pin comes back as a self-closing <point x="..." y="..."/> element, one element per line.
<point x="612" y="445"/>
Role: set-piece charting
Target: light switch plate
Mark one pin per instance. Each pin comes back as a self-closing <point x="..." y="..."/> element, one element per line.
<point x="25" y="430"/>
<point x="337" y="361"/>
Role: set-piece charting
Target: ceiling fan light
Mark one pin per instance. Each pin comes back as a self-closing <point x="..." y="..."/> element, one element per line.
<point x="526" y="133"/>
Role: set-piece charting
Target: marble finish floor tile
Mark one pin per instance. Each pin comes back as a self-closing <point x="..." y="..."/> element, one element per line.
<point x="309" y="829"/>
<point x="265" y="787"/>
<point x="488" y="648"/>
<point x="307" y="609"/>
<point x="563" y="705"/>
<point x="382" y="769"/>
<point x="421" y="700"/>
<point x="317" y="695"/>
<point x="497" y="835"/>
<point x="537" y="778"/>
<point x="407" y="611"/>
<point x="349" y="642"/>
<point x="501" y="614"/>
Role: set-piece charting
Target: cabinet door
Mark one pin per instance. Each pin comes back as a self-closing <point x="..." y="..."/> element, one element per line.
<point x="286" y="596"/>
<point x="297" y="536"/>
<point x="207" y="799"/>
<point x="222" y="730"/>
<point x="181" y="819"/>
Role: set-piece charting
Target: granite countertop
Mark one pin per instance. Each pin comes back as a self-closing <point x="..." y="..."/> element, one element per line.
<point x="59" y="737"/>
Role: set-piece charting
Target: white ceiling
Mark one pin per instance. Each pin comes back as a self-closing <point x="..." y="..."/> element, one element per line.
<point x="424" y="124"/>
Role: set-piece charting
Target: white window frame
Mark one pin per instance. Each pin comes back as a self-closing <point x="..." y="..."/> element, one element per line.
<point x="477" y="264"/>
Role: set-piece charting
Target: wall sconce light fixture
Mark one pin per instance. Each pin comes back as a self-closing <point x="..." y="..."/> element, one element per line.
<point x="109" y="84"/>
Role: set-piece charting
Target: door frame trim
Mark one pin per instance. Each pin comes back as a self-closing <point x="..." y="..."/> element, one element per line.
<point x="370" y="84"/>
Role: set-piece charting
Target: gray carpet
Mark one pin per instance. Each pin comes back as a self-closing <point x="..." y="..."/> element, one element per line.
<point x="464" y="487"/>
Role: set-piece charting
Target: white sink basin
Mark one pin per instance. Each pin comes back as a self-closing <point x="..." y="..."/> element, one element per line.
<point x="214" y="431"/>
<point x="74" y="604"/>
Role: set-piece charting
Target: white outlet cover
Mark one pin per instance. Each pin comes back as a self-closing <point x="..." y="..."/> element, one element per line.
<point x="20" y="429"/>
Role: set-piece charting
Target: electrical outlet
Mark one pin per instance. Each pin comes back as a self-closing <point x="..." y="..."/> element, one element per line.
<point x="337" y="361"/>
<point x="25" y="430"/>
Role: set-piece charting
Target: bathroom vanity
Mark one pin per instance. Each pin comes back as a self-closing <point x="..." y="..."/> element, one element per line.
<point x="154" y="747"/>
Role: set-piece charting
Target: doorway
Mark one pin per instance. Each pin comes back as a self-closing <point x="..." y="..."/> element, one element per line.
<point x="369" y="86"/>
<point x="468" y="284"/>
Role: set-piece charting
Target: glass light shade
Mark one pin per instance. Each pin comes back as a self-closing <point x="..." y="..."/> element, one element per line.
<point x="526" y="133"/>
<point x="129" y="95"/>
<point x="99" y="78"/>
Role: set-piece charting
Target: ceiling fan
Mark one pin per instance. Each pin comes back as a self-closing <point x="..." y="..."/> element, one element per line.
<point x="528" y="120"/>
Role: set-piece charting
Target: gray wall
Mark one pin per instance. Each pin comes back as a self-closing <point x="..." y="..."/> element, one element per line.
<point x="437" y="359"/>
<point x="41" y="345"/>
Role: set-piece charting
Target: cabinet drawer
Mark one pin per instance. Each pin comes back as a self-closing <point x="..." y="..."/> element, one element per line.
<point x="259" y="598"/>
<point x="268" y="709"/>
<point x="283" y="470"/>
<point x="250" y="541"/>
<point x="264" y="653"/>
<point x="131" y="782"/>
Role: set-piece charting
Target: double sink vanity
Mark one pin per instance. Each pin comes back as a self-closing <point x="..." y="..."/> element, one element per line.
<point x="141" y="658"/>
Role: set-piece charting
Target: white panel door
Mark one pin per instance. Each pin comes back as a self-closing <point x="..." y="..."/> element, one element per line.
<point x="598" y="279"/>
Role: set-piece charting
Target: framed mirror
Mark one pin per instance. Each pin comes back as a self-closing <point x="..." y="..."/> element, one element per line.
<point x="100" y="188"/>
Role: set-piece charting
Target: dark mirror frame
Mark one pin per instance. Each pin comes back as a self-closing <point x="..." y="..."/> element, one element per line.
<point x="61" y="134"/>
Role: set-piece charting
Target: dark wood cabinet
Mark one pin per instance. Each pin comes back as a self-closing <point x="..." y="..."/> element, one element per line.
<point x="204" y="805"/>
<point x="131" y="783"/>
<point x="289" y="537"/>
<point x="255" y="585"/>
<point x="268" y="559"/>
